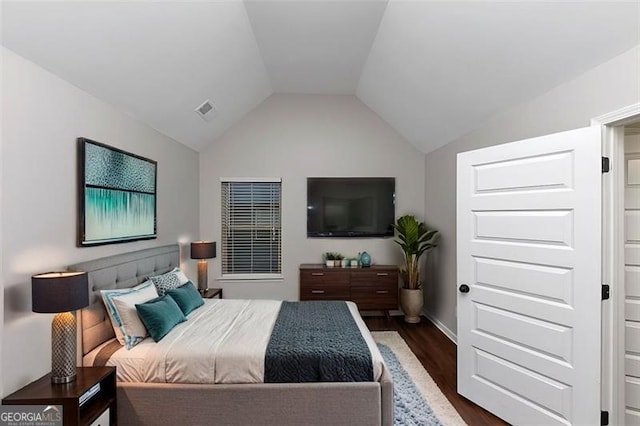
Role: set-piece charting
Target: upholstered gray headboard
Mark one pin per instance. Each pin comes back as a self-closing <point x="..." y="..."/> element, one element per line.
<point x="119" y="271"/>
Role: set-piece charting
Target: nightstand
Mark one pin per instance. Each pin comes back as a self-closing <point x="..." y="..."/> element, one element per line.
<point x="99" y="409"/>
<point x="210" y="293"/>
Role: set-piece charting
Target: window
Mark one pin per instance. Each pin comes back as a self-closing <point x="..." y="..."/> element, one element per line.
<point x="251" y="231"/>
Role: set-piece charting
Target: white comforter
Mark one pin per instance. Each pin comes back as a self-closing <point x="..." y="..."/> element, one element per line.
<point x="223" y="341"/>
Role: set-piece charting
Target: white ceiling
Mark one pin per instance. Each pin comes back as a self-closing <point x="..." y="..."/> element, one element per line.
<point x="433" y="70"/>
<point x="315" y="46"/>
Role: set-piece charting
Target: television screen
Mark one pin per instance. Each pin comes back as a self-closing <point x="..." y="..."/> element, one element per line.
<point x="350" y="207"/>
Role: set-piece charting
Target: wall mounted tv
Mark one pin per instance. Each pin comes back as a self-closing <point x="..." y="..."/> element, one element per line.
<point x="350" y="207"/>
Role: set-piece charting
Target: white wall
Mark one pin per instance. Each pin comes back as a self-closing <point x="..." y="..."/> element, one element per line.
<point x="296" y="136"/>
<point x="43" y="116"/>
<point x="606" y="88"/>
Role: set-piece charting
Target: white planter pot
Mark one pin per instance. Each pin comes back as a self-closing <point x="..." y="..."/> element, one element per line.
<point x="329" y="263"/>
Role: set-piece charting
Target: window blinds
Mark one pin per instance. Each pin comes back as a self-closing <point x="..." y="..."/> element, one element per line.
<point x="251" y="227"/>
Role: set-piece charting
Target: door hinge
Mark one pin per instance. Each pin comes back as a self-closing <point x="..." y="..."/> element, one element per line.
<point x="606" y="165"/>
<point x="604" y="418"/>
<point x="605" y="291"/>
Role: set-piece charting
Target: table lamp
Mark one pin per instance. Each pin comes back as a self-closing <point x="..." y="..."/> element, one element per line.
<point x="61" y="293"/>
<point x="203" y="250"/>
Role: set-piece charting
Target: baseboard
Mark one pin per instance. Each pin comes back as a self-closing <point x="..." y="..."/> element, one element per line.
<point x="392" y="313"/>
<point x="440" y="326"/>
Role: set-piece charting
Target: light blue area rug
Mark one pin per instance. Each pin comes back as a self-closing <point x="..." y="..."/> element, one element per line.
<point x="417" y="399"/>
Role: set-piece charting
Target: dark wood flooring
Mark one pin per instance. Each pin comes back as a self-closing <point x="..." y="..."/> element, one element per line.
<point x="438" y="356"/>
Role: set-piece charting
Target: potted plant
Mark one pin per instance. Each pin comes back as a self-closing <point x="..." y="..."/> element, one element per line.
<point x="329" y="258"/>
<point x="414" y="239"/>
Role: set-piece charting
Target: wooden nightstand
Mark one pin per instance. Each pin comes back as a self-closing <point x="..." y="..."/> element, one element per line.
<point x="100" y="409"/>
<point x="210" y="293"/>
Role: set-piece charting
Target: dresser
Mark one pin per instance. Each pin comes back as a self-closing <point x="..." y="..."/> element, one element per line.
<point x="372" y="288"/>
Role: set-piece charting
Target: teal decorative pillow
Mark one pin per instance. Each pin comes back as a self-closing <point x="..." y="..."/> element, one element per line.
<point x="166" y="282"/>
<point x="187" y="297"/>
<point x="160" y="315"/>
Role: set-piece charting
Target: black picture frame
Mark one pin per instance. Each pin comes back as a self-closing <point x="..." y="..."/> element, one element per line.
<point x="117" y="195"/>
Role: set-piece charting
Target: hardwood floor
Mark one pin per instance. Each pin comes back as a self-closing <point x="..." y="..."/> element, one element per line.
<point x="438" y="355"/>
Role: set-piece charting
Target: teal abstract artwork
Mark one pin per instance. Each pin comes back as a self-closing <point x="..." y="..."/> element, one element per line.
<point x="118" y="195"/>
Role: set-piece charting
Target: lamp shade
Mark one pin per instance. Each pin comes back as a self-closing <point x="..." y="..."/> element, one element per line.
<point x="54" y="292"/>
<point x="203" y="250"/>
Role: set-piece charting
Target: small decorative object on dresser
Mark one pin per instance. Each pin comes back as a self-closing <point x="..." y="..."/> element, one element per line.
<point x="415" y="239"/>
<point x="203" y="250"/>
<point x="89" y="400"/>
<point x="61" y="293"/>
<point x="330" y="259"/>
<point x="365" y="259"/>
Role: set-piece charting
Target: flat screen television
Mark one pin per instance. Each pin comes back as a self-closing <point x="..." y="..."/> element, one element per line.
<point x="350" y="207"/>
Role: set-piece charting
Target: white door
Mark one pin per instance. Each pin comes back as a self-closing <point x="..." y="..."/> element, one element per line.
<point x="528" y="235"/>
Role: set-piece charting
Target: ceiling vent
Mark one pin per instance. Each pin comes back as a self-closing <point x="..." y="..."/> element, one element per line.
<point x="207" y="110"/>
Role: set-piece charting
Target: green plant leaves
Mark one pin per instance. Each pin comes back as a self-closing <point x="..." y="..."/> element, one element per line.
<point x="415" y="239"/>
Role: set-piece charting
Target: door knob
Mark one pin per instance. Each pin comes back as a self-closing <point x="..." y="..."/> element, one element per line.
<point x="464" y="288"/>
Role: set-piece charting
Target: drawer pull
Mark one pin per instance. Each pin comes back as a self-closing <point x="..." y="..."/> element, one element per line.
<point x="317" y="274"/>
<point x="317" y="291"/>
<point x="382" y="274"/>
<point x="382" y="291"/>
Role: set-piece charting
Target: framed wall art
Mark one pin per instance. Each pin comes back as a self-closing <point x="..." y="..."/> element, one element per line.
<point x="117" y="195"/>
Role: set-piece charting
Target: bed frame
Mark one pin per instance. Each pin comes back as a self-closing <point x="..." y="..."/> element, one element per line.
<point x="362" y="403"/>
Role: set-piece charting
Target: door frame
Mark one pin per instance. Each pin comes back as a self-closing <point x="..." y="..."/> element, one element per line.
<point x="612" y="128"/>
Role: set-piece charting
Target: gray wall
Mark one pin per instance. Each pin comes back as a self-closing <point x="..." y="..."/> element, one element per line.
<point x="296" y="136"/>
<point x="608" y="87"/>
<point x="42" y="117"/>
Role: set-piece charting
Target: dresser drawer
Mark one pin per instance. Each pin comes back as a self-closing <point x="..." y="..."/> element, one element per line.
<point x="319" y="292"/>
<point x="381" y="297"/>
<point x="374" y="277"/>
<point x="340" y="278"/>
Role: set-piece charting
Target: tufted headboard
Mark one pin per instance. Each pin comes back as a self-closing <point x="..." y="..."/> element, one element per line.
<point x="119" y="271"/>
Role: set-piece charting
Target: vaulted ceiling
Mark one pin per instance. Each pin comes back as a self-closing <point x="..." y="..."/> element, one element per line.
<point x="434" y="70"/>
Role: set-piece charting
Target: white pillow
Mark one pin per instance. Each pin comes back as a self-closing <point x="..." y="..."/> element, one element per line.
<point x="181" y="276"/>
<point x="121" y="308"/>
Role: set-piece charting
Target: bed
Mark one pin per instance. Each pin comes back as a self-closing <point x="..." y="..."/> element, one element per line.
<point x="142" y="403"/>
